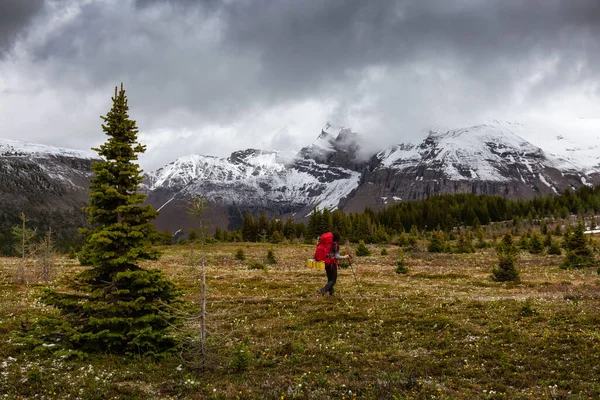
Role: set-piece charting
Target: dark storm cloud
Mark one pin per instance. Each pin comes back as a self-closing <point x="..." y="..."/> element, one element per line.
<point x="304" y="43"/>
<point x="15" y="15"/>
<point x="386" y="66"/>
<point x="302" y="47"/>
<point x="211" y="4"/>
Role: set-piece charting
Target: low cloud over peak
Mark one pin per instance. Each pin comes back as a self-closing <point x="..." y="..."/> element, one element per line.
<point x="219" y="75"/>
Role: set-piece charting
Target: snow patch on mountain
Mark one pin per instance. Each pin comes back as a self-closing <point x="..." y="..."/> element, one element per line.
<point x="239" y="166"/>
<point x="18" y="148"/>
<point x="482" y="152"/>
<point x="574" y="144"/>
<point x="256" y="177"/>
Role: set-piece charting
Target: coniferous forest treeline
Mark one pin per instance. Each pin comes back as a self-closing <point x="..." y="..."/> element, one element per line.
<point x="436" y="213"/>
<point x="440" y="212"/>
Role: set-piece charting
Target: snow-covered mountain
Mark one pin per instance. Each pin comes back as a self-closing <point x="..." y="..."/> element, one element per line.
<point x="60" y="164"/>
<point x="574" y="142"/>
<point x="493" y="158"/>
<point x="49" y="184"/>
<point x="500" y="158"/>
<point x="256" y="180"/>
<point x="18" y="148"/>
<point x="479" y="153"/>
<point x="483" y="159"/>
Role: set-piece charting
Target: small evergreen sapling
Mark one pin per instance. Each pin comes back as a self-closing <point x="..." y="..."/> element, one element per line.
<point x="239" y="254"/>
<point x="271" y="257"/>
<point x="413" y="238"/>
<point x="535" y="244"/>
<point x="241" y="358"/>
<point x="544" y="228"/>
<point x="362" y="250"/>
<point x="193" y="236"/>
<point x="481" y="242"/>
<point x="548" y="240"/>
<point x="401" y="267"/>
<point x="554" y="248"/>
<point x="436" y="244"/>
<point x="23" y="244"/>
<point x="557" y="230"/>
<point x="402" y="240"/>
<point x="524" y="242"/>
<point x="464" y="245"/>
<point x="45" y="253"/>
<point x="578" y="253"/>
<point x="507" y="253"/>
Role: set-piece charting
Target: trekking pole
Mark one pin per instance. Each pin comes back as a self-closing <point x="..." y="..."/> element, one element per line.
<point x="355" y="277"/>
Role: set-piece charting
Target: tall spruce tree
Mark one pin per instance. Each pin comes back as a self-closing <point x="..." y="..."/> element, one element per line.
<point x="115" y="305"/>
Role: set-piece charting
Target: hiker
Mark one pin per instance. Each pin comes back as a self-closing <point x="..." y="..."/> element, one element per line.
<point x="331" y="263"/>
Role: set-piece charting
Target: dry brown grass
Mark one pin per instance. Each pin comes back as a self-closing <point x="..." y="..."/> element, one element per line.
<point x="444" y="330"/>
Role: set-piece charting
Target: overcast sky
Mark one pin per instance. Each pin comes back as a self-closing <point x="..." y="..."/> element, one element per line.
<point x="213" y="76"/>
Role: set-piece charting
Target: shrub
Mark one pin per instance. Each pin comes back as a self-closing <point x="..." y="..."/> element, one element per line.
<point x="535" y="244"/>
<point x="481" y="242"/>
<point x="402" y="240"/>
<point x="401" y="267"/>
<point x="506" y="270"/>
<point x="239" y="255"/>
<point x="362" y="250"/>
<point x="413" y="241"/>
<point x="193" y="236"/>
<point x="554" y="248"/>
<point x="240" y="360"/>
<point x="548" y="240"/>
<point x="524" y="242"/>
<point x="436" y="244"/>
<point x="384" y="252"/>
<point x="557" y="230"/>
<point x="277" y="237"/>
<point x="464" y="245"/>
<point x="72" y="253"/>
<point x="578" y="253"/>
<point x="507" y="253"/>
<point x="257" y="265"/>
<point x="544" y="228"/>
<point x="527" y="310"/>
<point x="271" y="257"/>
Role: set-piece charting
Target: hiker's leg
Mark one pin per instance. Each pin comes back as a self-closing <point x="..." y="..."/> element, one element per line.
<point x="331" y="272"/>
<point x="332" y="278"/>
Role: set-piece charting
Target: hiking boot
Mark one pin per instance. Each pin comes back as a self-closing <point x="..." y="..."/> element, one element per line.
<point x="320" y="292"/>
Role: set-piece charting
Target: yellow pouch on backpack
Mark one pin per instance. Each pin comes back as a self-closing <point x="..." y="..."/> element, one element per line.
<point x="315" y="264"/>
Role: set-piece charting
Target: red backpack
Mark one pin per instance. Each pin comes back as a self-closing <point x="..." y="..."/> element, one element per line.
<point x="324" y="248"/>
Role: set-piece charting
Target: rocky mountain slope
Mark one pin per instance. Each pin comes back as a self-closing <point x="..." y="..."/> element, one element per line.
<point x="49" y="184"/>
<point x="322" y="175"/>
<point x="484" y="159"/>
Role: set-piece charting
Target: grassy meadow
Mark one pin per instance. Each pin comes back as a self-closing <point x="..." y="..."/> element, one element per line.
<point x="445" y="330"/>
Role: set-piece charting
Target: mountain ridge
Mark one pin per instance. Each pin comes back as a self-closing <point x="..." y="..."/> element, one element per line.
<point x="494" y="158"/>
